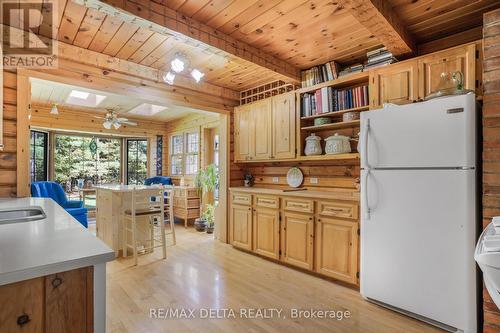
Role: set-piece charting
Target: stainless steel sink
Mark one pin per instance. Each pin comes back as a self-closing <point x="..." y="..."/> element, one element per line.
<point x="21" y="214"/>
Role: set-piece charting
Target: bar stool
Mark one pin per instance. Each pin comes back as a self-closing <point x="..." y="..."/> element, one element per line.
<point x="143" y="208"/>
<point x="169" y="211"/>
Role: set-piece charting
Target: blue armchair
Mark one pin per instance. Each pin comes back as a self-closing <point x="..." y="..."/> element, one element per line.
<point x="55" y="191"/>
<point x="158" y="180"/>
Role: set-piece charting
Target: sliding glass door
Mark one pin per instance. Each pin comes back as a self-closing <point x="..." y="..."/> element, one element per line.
<point x="39" y="143"/>
<point x="137" y="161"/>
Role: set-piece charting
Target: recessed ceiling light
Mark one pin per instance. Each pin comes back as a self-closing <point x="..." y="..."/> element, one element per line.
<point x="197" y="75"/>
<point x="147" y="109"/>
<point x="83" y="98"/>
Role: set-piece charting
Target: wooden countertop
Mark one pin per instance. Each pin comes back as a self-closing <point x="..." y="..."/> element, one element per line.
<point x="333" y="195"/>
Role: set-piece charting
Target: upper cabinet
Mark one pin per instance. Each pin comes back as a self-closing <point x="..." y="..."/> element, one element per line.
<point x="456" y="59"/>
<point x="265" y="130"/>
<point x="396" y="83"/>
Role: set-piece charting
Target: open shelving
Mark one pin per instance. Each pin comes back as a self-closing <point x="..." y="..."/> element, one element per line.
<point x="338" y="125"/>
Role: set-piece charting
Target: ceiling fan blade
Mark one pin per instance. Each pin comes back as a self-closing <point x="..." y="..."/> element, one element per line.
<point x="122" y="119"/>
<point x="129" y="123"/>
<point x="99" y="117"/>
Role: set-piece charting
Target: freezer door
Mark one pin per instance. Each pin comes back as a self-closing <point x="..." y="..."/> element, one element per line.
<point x="436" y="133"/>
<point x="417" y="244"/>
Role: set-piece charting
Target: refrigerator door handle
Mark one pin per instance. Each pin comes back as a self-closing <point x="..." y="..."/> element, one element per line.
<point x="365" y="195"/>
<point x="364" y="147"/>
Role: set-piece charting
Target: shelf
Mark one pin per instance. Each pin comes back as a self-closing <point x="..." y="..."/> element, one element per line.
<point x="336" y="113"/>
<point x="348" y="156"/>
<point x="343" y="124"/>
<point x="347" y="80"/>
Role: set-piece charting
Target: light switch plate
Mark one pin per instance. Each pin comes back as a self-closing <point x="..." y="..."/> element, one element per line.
<point x="313" y="180"/>
<point x="276" y="180"/>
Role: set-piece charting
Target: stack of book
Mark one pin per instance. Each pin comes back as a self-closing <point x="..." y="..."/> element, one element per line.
<point x="379" y="57"/>
<point x="328" y="99"/>
<point x="357" y="68"/>
<point x="319" y="74"/>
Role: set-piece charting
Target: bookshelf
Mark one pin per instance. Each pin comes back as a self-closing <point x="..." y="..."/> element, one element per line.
<point x="306" y="125"/>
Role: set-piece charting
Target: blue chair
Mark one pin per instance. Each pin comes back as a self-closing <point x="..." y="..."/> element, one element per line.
<point x="158" y="180"/>
<point x="55" y="191"/>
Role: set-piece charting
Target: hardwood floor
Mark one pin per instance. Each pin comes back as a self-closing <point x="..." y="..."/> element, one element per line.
<point x="202" y="273"/>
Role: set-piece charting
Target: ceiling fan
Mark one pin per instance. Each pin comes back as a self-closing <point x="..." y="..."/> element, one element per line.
<point x="112" y="119"/>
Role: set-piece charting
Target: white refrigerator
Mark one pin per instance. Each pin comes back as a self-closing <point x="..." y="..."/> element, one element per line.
<point x="418" y="210"/>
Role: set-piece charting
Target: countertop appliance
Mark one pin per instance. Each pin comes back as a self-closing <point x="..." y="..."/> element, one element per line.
<point x="418" y="210"/>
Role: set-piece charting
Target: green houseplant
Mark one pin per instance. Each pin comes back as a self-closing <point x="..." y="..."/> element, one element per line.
<point x="206" y="181"/>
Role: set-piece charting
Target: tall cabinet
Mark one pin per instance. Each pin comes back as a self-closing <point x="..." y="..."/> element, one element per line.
<point x="265" y="129"/>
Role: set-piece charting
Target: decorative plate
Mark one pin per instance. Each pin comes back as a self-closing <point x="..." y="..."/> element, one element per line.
<point x="294" y="177"/>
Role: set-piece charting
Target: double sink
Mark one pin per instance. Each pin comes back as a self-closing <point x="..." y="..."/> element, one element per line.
<point x="21" y="214"/>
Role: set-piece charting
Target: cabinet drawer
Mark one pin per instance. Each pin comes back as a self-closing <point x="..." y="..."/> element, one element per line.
<point x="242" y="199"/>
<point x="266" y="201"/>
<point x="298" y="205"/>
<point x="337" y="209"/>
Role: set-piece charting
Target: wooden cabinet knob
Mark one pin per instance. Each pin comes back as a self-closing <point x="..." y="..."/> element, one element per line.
<point x="56" y="282"/>
<point x="23" y="319"/>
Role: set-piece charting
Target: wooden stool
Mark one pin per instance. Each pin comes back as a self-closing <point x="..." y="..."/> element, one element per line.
<point x="169" y="211"/>
<point x="143" y="206"/>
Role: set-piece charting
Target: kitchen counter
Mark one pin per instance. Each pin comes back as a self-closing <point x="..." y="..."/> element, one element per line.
<point x="126" y="188"/>
<point x="333" y="195"/>
<point x="55" y="244"/>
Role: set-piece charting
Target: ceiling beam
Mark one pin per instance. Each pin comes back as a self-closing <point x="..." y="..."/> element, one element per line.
<point x="159" y="18"/>
<point x="379" y="19"/>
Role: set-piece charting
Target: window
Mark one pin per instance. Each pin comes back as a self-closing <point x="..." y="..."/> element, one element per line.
<point x="177" y="149"/>
<point x="137" y="150"/>
<point x="184" y="150"/>
<point x="39" y="156"/>
<point x="95" y="159"/>
<point x="191" y="153"/>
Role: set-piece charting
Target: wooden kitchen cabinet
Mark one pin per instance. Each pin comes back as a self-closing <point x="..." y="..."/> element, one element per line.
<point x="56" y="303"/>
<point x="283" y="133"/>
<point x="262" y="119"/>
<point x="244" y="128"/>
<point x="461" y="59"/>
<point x="265" y="130"/>
<point x="336" y="249"/>
<point x="241" y="226"/>
<point x="397" y="83"/>
<point x="266" y="232"/>
<point x="297" y="244"/>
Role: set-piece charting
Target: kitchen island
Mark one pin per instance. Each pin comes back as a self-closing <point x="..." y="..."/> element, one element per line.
<point x="52" y="272"/>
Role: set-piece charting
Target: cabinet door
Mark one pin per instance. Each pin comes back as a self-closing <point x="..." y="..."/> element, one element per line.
<point x="337" y="249"/>
<point x="457" y="59"/>
<point x="262" y="126"/>
<point x="283" y="126"/>
<point x="297" y="243"/>
<point x="394" y="84"/>
<point x="244" y="131"/>
<point x="22" y="307"/>
<point x="69" y="301"/>
<point x="241" y="226"/>
<point x="266" y="232"/>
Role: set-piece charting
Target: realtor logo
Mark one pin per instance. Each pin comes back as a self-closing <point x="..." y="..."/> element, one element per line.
<point x="27" y="30"/>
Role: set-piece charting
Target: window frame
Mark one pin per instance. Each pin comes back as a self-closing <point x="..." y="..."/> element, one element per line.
<point x="189" y="153"/>
<point x="136" y="157"/>
<point x="185" y="152"/>
<point x="33" y="155"/>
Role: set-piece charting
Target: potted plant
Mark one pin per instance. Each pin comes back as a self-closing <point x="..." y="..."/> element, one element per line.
<point x="209" y="216"/>
<point x="206" y="181"/>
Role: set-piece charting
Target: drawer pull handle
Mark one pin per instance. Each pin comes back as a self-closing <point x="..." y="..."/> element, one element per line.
<point x="297" y="205"/>
<point x="272" y="202"/>
<point x="23" y="319"/>
<point x="56" y="282"/>
<point x="340" y="210"/>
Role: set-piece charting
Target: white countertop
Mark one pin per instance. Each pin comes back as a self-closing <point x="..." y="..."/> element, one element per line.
<point x="349" y="195"/>
<point x="55" y="244"/>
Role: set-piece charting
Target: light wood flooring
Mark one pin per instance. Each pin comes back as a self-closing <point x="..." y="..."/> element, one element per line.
<point x="200" y="272"/>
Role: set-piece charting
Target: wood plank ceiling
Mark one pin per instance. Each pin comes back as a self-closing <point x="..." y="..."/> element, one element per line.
<point x="302" y="33"/>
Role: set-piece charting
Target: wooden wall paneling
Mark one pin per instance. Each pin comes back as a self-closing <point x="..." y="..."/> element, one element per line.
<point x="8" y="157"/>
<point x="23" y="135"/>
<point x="491" y="144"/>
<point x="71" y="20"/>
<point x="106" y="32"/>
<point x="51" y="30"/>
<point x="139" y="38"/>
<point x="124" y="33"/>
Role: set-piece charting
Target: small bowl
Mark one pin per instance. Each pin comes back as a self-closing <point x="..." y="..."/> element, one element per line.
<point x="350" y="116"/>
<point x="322" y="121"/>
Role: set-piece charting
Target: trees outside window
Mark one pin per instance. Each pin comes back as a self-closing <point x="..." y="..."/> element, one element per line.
<point x="137" y="168"/>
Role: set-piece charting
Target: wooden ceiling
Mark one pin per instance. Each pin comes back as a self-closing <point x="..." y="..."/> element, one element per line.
<point x="255" y="42"/>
